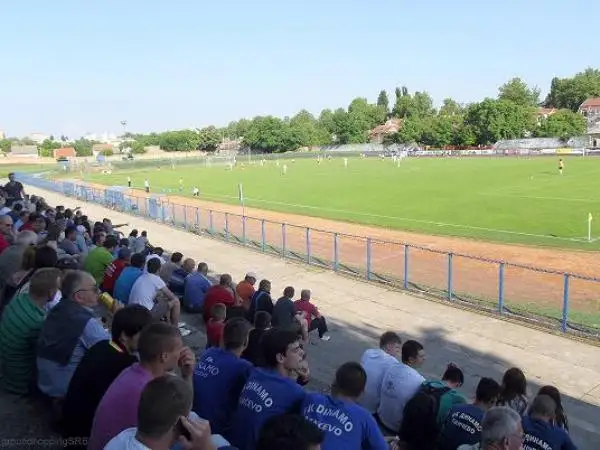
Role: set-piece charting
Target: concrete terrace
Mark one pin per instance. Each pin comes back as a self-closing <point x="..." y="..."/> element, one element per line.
<point x="359" y="312"/>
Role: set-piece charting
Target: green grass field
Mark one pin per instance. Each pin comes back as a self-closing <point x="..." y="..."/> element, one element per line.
<point x="515" y="200"/>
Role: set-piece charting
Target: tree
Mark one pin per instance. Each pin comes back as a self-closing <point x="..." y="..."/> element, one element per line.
<point x="493" y="120"/>
<point x="450" y="108"/>
<point x="419" y="105"/>
<point x="563" y="124"/>
<point x="179" y="141"/>
<point x="306" y="131"/>
<point x="83" y="147"/>
<point x="570" y="93"/>
<point x="383" y="102"/>
<point x="209" y="138"/>
<point x="46" y="148"/>
<point x="517" y="91"/>
<point x="267" y="134"/>
<point x="5" y="145"/>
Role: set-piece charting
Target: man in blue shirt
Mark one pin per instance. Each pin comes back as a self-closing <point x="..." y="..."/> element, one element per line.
<point x="128" y="277"/>
<point x="346" y="424"/>
<point x="539" y="432"/>
<point x="176" y="282"/>
<point x="220" y="376"/>
<point x="271" y="390"/>
<point x="196" y="286"/>
<point x="463" y="424"/>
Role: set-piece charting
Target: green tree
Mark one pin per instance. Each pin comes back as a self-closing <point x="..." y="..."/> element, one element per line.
<point x="419" y="105"/>
<point x="83" y="147"/>
<point x="563" y="124"/>
<point x="450" y="108"/>
<point x="267" y="134"/>
<point x="326" y="121"/>
<point x="517" y="91"/>
<point x="46" y="148"/>
<point x="179" y="141"/>
<point x="306" y="131"/>
<point x="5" y="145"/>
<point x="570" y="93"/>
<point x="383" y="102"/>
<point x="493" y="120"/>
<point x="209" y="138"/>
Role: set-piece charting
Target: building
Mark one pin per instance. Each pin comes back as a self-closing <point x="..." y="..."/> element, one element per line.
<point x="378" y="134"/>
<point x="38" y="138"/>
<point x="65" y="152"/>
<point x="106" y="149"/>
<point x="27" y="151"/>
<point x="591" y="110"/>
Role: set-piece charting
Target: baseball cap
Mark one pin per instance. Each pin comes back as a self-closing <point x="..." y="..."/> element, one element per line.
<point x="124" y="253"/>
<point x="251" y="275"/>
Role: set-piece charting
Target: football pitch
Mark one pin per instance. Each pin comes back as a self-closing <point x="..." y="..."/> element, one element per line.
<point x="511" y="200"/>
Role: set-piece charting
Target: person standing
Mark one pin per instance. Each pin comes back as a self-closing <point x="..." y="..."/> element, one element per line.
<point x="129" y="182"/>
<point x="14" y="190"/>
<point x="147" y="186"/>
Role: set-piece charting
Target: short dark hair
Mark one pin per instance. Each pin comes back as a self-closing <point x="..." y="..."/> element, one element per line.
<point x="487" y="391"/>
<point x="543" y="405"/>
<point x="176" y="257"/>
<point x="158" y="251"/>
<point x="454" y="374"/>
<point x="175" y="398"/>
<point x="202" y="266"/>
<point x="262" y="320"/>
<point x="154" y="265"/>
<point x="514" y="383"/>
<point x="156" y="339"/>
<point x="124" y="242"/>
<point x="137" y="260"/>
<point x="289" y="432"/>
<point x="389" y="337"/>
<point x="411" y="349"/>
<point x="70" y="229"/>
<point x="276" y="342"/>
<point x="45" y="256"/>
<point x="235" y="333"/>
<point x="110" y="242"/>
<point x="130" y="320"/>
<point x="350" y="379"/>
<point x="289" y="291"/>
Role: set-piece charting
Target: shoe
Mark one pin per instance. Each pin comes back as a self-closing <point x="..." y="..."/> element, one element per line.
<point x="181" y="324"/>
<point x="325" y="338"/>
<point x="184" y="332"/>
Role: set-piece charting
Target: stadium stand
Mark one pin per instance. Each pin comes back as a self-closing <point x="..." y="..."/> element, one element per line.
<point x="95" y="353"/>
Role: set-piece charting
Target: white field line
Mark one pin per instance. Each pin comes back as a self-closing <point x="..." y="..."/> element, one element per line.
<point x="533" y="197"/>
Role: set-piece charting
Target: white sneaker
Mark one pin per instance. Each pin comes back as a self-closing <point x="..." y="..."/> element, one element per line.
<point x="326" y="338"/>
<point x="184" y="332"/>
<point x="181" y="324"/>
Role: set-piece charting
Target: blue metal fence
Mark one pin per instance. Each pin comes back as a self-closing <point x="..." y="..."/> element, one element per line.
<point x="567" y="302"/>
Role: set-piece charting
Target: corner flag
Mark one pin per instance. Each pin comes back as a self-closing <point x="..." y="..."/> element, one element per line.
<point x="241" y="193"/>
<point x="590" y="218"/>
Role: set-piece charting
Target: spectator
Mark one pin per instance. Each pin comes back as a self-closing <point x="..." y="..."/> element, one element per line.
<point x="215" y="325"/>
<point x="177" y="281"/>
<point x="11" y="260"/>
<point x="146" y="292"/>
<point x="197" y="285"/>
<point x="514" y="390"/>
<point x="254" y="351"/>
<point x="98" y="240"/>
<point x="245" y="289"/>
<point x="132" y="238"/>
<point x="69" y="243"/>
<point x="261" y="300"/>
<point x="14" y="190"/>
<point x="221" y="293"/>
<point x="501" y="429"/>
<point x="81" y="240"/>
<point x="157" y="252"/>
<point x="44" y="256"/>
<point x="160" y="427"/>
<point x="101" y="365"/>
<point x="123" y="243"/>
<point x="167" y="269"/>
<point x="140" y="244"/>
<point x="69" y="331"/>
<point x="21" y="220"/>
<point x="20" y="327"/>
<point x="400" y="383"/>
<point x="100" y="258"/>
<point x="220" y="376"/>
<point x="128" y="277"/>
<point x="376" y="362"/>
<point x="114" y="270"/>
<point x="463" y="424"/>
<point x="269" y="391"/>
<point x="7" y="234"/>
<point x="16" y="212"/>
<point x="290" y="432"/>
<point x="312" y="315"/>
<point x="347" y="425"/>
<point x="560" y="419"/>
<point x="284" y="311"/>
<point x="539" y="429"/>
<point x="28" y="221"/>
<point x="161" y="350"/>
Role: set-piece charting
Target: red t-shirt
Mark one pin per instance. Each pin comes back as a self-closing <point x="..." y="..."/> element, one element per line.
<point x="214" y="331"/>
<point x="3" y="243"/>
<point x="217" y="294"/>
<point x="307" y="308"/>
<point x="27" y="227"/>
<point x="111" y="274"/>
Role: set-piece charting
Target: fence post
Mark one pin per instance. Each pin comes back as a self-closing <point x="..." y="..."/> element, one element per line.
<point x="263" y="235"/>
<point x="137" y="205"/>
<point x="336" y="252"/>
<point x="565" y="309"/>
<point x="210" y="220"/>
<point x="368" y="258"/>
<point x="283" y="234"/>
<point x="185" y="216"/>
<point x="450" y="276"/>
<point x="226" y="227"/>
<point x="244" y="229"/>
<point x="198" y="219"/>
<point x="501" y="288"/>
<point x="173" y="213"/>
<point x="308" y="245"/>
<point x="406" y="247"/>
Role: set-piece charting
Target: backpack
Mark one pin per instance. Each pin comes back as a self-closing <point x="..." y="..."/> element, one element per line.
<point x="419" y="427"/>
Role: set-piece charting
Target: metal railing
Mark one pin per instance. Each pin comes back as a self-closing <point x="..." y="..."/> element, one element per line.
<point x="568" y="302"/>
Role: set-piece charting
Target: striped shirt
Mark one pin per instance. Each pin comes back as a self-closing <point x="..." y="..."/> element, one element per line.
<point x="19" y="330"/>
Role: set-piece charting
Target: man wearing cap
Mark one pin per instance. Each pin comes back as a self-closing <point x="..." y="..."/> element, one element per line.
<point x="114" y="269"/>
<point x="245" y="289"/>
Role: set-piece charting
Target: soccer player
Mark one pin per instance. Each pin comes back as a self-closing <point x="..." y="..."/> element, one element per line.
<point x="345" y="162"/>
<point x="284" y="169"/>
<point x="561" y="166"/>
<point x="128" y="181"/>
<point x="147" y="186"/>
<point x="180" y="184"/>
<point x="196" y="192"/>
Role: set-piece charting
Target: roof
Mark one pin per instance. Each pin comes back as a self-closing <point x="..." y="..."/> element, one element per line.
<point x="391" y="126"/>
<point x="546" y="111"/>
<point x="593" y="102"/>
<point x="65" y="151"/>
<point x="99" y="147"/>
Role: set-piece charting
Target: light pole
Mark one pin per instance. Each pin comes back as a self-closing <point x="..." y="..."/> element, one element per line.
<point x="124" y="124"/>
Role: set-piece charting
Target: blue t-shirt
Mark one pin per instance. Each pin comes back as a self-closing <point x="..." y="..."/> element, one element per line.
<point x="541" y="435"/>
<point x="462" y="426"/>
<point x="265" y="394"/>
<point x="346" y="424"/>
<point x="125" y="282"/>
<point x="196" y="285"/>
<point x="218" y="380"/>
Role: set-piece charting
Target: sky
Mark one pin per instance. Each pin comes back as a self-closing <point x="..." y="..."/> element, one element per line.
<point x="73" y="67"/>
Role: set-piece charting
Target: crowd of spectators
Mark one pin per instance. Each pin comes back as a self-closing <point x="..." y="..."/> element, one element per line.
<point x="91" y="328"/>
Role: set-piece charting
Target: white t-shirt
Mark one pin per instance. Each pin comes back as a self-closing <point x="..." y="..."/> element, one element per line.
<point x="145" y="289"/>
<point x="400" y="384"/>
<point x="149" y="257"/>
<point x="376" y="362"/>
<point x="5" y="210"/>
